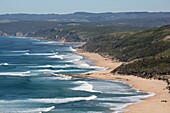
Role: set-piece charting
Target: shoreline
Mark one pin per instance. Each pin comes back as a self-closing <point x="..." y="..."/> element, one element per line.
<point x="153" y="104"/>
<point x="159" y="103"/>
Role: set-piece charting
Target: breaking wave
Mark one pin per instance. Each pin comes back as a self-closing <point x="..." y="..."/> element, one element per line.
<point x="27" y="73"/>
<point x="84" y="86"/>
<point x="4" y="64"/>
<point x="52" y="100"/>
<point x="28" y="110"/>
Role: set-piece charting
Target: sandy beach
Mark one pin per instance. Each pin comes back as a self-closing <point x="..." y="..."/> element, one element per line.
<point x="159" y="103"/>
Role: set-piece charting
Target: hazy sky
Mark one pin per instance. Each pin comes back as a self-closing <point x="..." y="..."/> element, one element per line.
<point x="70" y="6"/>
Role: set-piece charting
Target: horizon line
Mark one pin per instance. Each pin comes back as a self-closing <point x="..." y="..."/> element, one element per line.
<point x="85" y="12"/>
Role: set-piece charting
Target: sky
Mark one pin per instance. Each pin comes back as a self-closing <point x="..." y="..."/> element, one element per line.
<point x="71" y="6"/>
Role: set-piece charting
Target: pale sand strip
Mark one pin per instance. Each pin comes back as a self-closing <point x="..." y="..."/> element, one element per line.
<point x="149" y="105"/>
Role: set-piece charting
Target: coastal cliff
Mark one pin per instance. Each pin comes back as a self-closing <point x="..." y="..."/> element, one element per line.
<point x="56" y="34"/>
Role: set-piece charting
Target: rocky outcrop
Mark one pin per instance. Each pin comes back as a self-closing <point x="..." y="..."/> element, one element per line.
<point x="3" y="33"/>
<point x="20" y="34"/>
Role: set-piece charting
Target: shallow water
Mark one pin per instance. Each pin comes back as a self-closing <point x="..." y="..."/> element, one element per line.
<point x="27" y="84"/>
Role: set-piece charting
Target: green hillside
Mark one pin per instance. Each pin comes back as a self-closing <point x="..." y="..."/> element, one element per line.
<point x="148" y="50"/>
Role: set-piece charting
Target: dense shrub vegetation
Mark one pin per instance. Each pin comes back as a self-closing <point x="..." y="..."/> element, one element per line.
<point x="147" y="47"/>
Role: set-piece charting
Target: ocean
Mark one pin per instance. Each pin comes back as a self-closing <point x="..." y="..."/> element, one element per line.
<point x="33" y="79"/>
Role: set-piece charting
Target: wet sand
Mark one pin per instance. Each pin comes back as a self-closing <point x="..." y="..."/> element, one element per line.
<point x="160" y="103"/>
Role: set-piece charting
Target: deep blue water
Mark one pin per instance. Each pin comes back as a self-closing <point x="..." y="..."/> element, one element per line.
<point x="28" y="84"/>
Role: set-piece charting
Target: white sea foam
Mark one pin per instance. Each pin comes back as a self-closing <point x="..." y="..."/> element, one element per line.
<point x="56" y="56"/>
<point x="49" y="42"/>
<point x="137" y="98"/>
<point x="51" y="66"/>
<point x="38" y="110"/>
<point x="18" y="37"/>
<point x="84" y="86"/>
<point x="111" y="87"/>
<point x="26" y="53"/>
<point x="21" y="51"/>
<point x="64" y="100"/>
<point x="55" y="77"/>
<point x="46" y="70"/>
<point x="72" y="57"/>
<point x="83" y="64"/>
<point x="71" y="49"/>
<point x="46" y="109"/>
<point x="72" y="70"/>
<point x="118" y="107"/>
<point x="34" y="54"/>
<point x="62" y="77"/>
<point x="20" y="54"/>
<point x="27" y="110"/>
<point x="55" y="71"/>
<point x="52" y="100"/>
<point x="73" y="60"/>
<point x="4" y="64"/>
<point x="128" y="99"/>
<point x="27" y="73"/>
<point x="41" y="54"/>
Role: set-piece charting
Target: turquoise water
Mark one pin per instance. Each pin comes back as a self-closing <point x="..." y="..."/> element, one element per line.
<point x="28" y="84"/>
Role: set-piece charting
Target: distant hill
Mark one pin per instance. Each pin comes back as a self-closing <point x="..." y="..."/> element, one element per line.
<point x="79" y="26"/>
<point x="68" y="31"/>
<point x="126" y="18"/>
